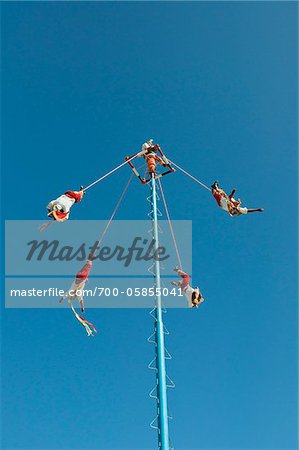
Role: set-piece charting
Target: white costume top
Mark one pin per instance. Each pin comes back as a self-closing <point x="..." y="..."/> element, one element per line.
<point x="188" y="291"/>
<point x="63" y="201"/>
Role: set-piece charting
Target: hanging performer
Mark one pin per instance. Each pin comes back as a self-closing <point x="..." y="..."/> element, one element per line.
<point x="59" y="209"/>
<point x="194" y="296"/>
<point x="76" y="292"/>
<point x="149" y="153"/>
<point x="228" y="203"/>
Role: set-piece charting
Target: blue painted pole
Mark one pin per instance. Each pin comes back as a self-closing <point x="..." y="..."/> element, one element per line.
<point x="161" y="370"/>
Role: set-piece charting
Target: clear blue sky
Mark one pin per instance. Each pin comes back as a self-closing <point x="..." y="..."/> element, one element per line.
<point x="215" y="83"/>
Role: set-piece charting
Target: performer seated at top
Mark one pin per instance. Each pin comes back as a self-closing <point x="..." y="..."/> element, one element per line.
<point x="147" y="146"/>
<point x="194" y="296"/>
<point x="59" y="209"/>
<point x="228" y="203"/>
<point x="149" y="153"/>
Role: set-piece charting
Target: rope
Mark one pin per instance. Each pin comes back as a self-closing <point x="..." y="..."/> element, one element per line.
<point x="109" y="173"/>
<point x="170" y="225"/>
<point x="191" y="176"/>
<point x="113" y="213"/>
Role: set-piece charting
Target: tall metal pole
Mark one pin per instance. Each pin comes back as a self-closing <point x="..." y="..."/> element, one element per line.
<point x="159" y="335"/>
